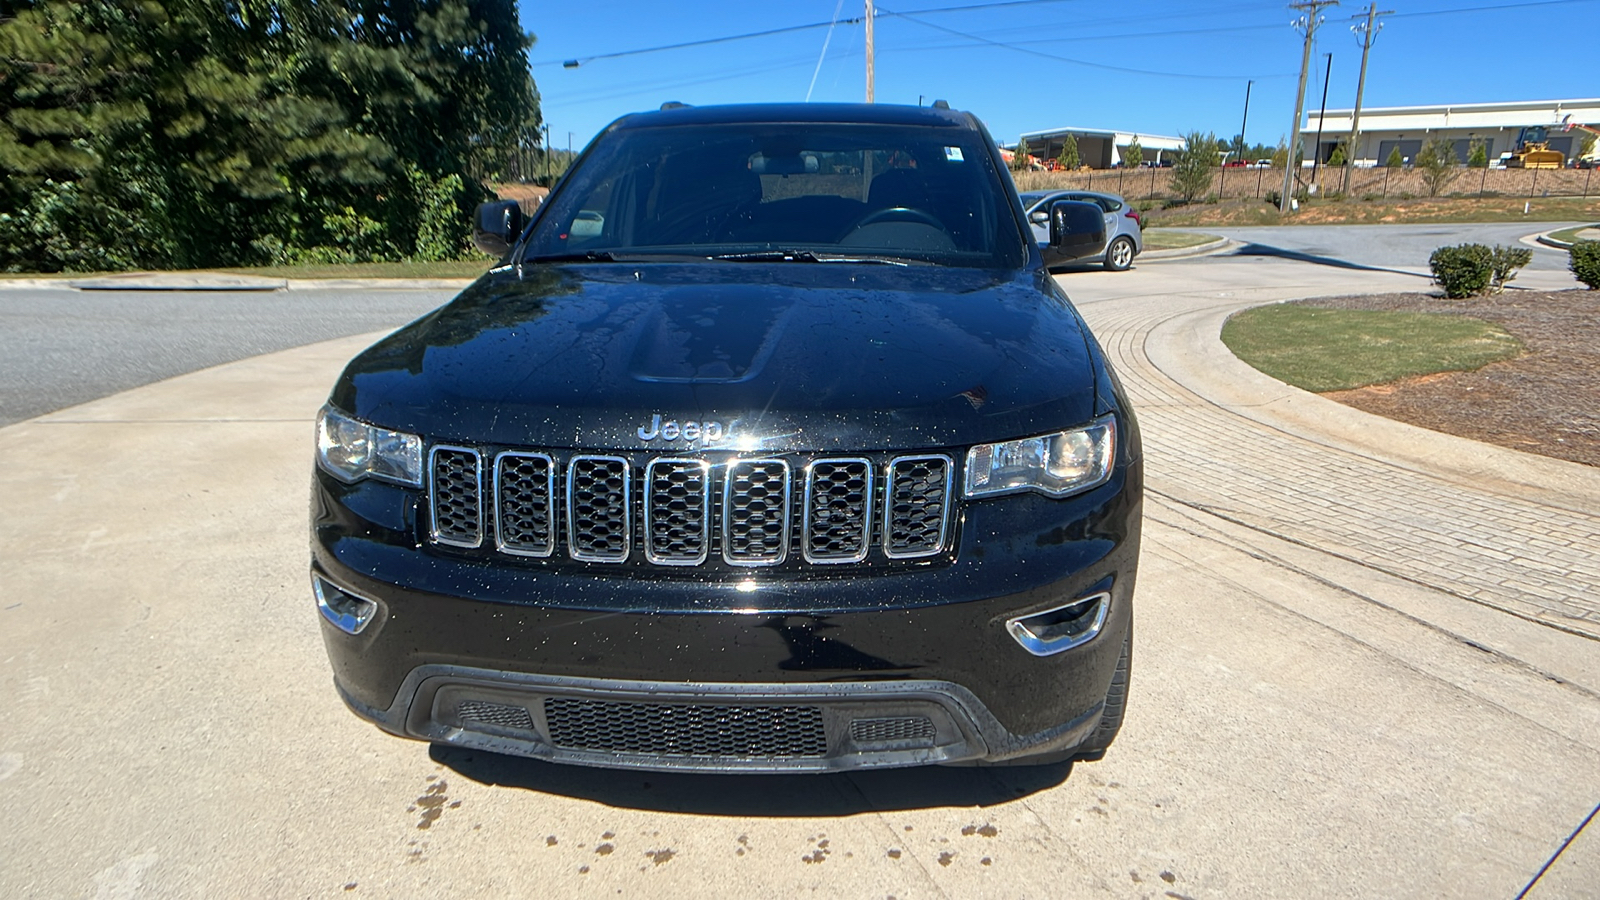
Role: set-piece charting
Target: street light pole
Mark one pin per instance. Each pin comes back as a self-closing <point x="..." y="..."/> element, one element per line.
<point x="1316" y="158"/>
<point x="1242" y="142"/>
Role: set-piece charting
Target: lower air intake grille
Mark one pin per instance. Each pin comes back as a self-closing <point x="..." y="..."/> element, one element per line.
<point x="495" y="714"/>
<point x="902" y="728"/>
<point x="664" y="729"/>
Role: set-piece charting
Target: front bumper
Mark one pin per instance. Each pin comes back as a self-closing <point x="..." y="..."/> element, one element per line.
<point x="908" y="667"/>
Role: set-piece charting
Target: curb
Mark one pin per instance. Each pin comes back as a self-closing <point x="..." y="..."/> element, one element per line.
<point x="1545" y="239"/>
<point x="1205" y="249"/>
<point x="255" y="285"/>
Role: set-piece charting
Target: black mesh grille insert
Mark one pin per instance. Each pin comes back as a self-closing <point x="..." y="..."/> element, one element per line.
<point x="838" y="503"/>
<point x="918" y="504"/>
<point x="597" y="508"/>
<point x="495" y="714"/>
<point x="677" y="511"/>
<point x="900" y="728"/>
<point x="755" y="513"/>
<point x="526" y="518"/>
<point x="457" y="504"/>
<point x="666" y="729"/>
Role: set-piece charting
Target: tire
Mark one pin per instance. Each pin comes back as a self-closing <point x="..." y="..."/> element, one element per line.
<point x="1095" y="745"/>
<point x="1119" y="254"/>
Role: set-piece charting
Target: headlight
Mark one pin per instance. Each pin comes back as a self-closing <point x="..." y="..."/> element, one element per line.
<point x="1055" y="464"/>
<point x="352" y="450"/>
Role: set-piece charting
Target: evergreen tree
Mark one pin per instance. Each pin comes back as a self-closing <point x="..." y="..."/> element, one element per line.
<point x="1395" y="160"/>
<point x="1133" y="154"/>
<point x="1019" y="157"/>
<point x="1069" y="158"/>
<point x="1477" y="155"/>
<point x="1192" y="171"/>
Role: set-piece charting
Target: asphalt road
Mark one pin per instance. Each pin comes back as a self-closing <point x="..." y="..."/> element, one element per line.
<point x="62" y="347"/>
<point x="1399" y="247"/>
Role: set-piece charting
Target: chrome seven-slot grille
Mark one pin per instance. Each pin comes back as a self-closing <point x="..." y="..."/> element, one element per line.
<point x="683" y="511"/>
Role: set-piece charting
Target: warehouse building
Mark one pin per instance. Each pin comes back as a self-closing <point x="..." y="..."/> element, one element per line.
<point x="1099" y="148"/>
<point x="1497" y="125"/>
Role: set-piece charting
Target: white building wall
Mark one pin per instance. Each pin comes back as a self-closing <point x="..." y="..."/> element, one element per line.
<point x="1496" y="123"/>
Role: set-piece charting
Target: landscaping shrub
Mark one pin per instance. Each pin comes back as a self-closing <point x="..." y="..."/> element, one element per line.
<point x="1505" y="261"/>
<point x="1462" y="270"/>
<point x="1585" y="263"/>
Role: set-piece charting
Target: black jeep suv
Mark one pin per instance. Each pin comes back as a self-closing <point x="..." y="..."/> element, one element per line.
<point x="769" y="445"/>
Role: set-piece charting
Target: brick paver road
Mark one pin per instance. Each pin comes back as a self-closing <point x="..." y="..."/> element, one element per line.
<point x="1484" y="544"/>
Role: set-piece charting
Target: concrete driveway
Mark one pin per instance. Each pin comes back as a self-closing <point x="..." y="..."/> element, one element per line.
<point x="1366" y="664"/>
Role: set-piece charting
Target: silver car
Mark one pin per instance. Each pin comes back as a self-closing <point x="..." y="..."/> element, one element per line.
<point x="1124" y="238"/>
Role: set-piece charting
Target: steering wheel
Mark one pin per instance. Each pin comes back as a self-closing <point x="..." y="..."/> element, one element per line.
<point x="896" y="214"/>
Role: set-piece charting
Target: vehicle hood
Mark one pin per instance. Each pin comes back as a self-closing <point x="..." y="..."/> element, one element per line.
<point x="780" y="356"/>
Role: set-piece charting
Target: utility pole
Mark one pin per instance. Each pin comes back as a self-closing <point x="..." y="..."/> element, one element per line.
<point x="1316" y="154"/>
<point x="1367" y="31"/>
<point x="1309" y="21"/>
<point x="870" y="68"/>
<point x="1242" y="142"/>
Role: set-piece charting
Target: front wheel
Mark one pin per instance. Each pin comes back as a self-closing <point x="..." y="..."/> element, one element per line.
<point x="1119" y="255"/>
<point x="1095" y="745"/>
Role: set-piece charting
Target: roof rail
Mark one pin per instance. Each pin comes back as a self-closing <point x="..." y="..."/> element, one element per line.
<point x="673" y="104"/>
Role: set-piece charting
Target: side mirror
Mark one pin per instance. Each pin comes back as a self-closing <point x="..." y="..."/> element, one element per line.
<point x="1077" y="229"/>
<point x="497" y="224"/>
<point x="1040" y="217"/>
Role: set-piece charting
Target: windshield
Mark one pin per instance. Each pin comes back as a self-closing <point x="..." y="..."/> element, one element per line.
<point x="802" y="191"/>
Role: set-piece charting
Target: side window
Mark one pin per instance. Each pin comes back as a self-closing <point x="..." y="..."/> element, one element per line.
<point x="590" y="221"/>
<point x="1110" y="205"/>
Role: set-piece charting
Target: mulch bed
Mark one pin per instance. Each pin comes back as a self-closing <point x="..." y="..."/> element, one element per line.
<point x="1546" y="401"/>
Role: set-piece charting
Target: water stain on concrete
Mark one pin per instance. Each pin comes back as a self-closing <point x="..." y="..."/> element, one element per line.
<point x="1168" y="877"/>
<point x="661" y="857"/>
<point x="985" y="829"/>
<point x="432" y="803"/>
<point x="605" y="849"/>
<point x="946" y="858"/>
<point x="550" y="840"/>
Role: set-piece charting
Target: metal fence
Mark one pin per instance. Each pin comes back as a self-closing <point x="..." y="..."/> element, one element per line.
<point x="1366" y="184"/>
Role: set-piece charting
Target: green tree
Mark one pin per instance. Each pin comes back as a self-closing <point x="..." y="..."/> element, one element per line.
<point x="1337" y="157"/>
<point x="1133" y="154"/>
<point x="1280" y="156"/>
<point x="1069" y="158"/>
<point x="1019" y="157"/>
<point x="1477" y="155"/>
<point x="1192" y="169"/>
<point x="1438" y="164"/>
<point x="212" y="132"/>
<point x="1395" y="160"/>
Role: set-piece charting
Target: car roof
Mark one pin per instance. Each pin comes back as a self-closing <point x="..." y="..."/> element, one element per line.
<point x="843" y="113"/>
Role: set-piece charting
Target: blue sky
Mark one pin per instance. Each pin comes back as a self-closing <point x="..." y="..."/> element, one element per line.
<point x="1156" y="66"/>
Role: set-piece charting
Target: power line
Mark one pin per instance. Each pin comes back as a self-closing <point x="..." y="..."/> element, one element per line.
<point x="574" y="63"/>
<point x="1066" y="59"/>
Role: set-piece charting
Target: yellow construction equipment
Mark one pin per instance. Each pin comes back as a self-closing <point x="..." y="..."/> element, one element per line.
<point x="1533" y="151"/>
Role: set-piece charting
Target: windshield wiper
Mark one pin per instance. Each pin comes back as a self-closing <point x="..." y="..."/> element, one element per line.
<point x="810" y="256"/>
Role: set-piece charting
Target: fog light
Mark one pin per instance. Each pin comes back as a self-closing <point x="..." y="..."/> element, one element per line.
<point x="1062" y="628"/>
<point x="345" y="610"/>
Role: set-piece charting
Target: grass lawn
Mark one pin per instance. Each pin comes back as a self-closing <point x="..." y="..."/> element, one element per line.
<point x="1570" y="234"/>
<point x="1162" y="239"/>
<point x="1321" y="350"/>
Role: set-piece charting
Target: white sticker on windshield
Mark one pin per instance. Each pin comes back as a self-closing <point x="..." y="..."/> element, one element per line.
<point x="953" y="154"/>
